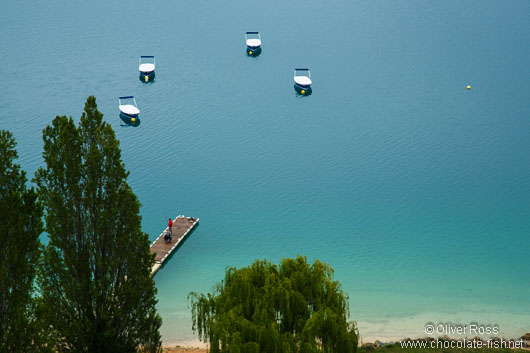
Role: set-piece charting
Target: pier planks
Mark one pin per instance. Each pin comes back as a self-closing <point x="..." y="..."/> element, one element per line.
<point x="182" y="226"/>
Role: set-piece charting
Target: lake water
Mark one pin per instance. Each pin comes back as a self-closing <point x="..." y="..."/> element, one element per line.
<point x="413" y="188"/>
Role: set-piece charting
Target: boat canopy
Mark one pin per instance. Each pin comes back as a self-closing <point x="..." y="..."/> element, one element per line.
<point x="147" y="64"/>
<point x="127" y="105"/>
<point x="302" y="77"/>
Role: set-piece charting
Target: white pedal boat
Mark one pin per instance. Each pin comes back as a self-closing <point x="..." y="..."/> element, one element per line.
<point x="253" y="42"/>
<point x="147" y="64"/>
<point x="128" y="106"/>
<point x="302" y="78"/>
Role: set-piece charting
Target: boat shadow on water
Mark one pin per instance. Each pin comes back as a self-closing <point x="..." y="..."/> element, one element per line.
<point x="130" y="121"/>
<point x="254" y="53"/>
<point x="147" y="77"/>
<point x="302" y="91"/>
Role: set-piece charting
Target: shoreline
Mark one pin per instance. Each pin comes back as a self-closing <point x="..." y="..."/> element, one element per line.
<point x="200" y="347"/>
<point x="180" y="349"/>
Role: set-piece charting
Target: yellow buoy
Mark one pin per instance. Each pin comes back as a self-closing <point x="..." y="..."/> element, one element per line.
<point x="303" y="91"/>
<point x="468" y="88"/>
<point x="133" y="120"/>
<point x="146" y="78"/>
<point x="249" y="53"/>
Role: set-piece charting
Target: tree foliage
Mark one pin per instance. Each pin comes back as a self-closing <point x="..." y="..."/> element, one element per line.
<point x="290" y="308"/>
<point x="20" y="227"/>
<point x="97" y="292"/>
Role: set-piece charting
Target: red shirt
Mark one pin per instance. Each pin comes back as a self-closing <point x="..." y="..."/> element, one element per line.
<point x="170" y="224"/>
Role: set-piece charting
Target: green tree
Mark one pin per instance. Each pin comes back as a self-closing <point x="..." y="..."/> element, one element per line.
<point x="290" y="308"/>
<point x="20" y="227"/>
<point x="95" y="273"/>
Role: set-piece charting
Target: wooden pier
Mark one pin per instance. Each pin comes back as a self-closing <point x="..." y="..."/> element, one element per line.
<point x="182" y="226"/>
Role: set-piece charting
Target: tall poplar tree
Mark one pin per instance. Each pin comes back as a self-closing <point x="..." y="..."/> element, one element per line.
<point x="264" y="308"/>
<point x="20" y="227"/>
<point x="97" y="291"/>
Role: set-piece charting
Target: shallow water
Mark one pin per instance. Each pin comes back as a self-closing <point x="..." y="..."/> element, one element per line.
<point x="414" y="189"/>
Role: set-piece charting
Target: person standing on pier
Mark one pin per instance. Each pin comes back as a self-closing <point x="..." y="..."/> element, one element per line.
<point x="170" y="227"/>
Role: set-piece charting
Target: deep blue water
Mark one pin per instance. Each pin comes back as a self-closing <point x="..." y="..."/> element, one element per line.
<point x="414" y="189"/>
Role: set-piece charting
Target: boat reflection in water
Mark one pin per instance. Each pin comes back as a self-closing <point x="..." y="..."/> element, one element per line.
<point x="301" y="91"/>
<point x="147" y="78"/>
<point x="130" y="120"/>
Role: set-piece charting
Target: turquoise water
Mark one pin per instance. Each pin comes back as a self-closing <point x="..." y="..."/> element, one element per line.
<point x="414" y="189"/>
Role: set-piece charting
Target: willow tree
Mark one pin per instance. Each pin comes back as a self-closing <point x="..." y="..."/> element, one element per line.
<point x="97" y="292"/>
<point x="290" y="308"/>
<point x="20" y="227"/>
